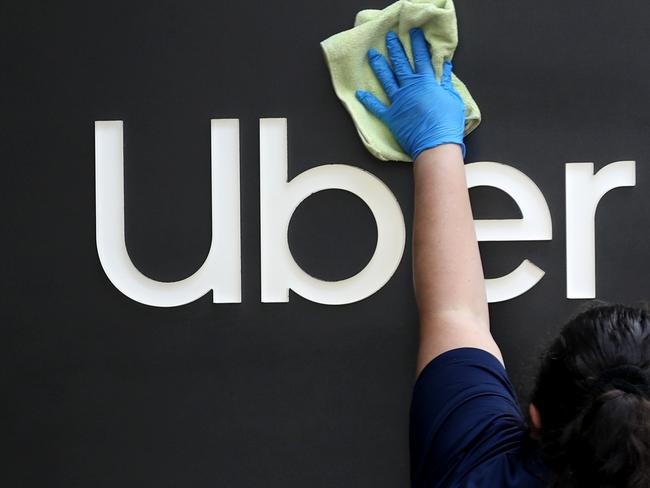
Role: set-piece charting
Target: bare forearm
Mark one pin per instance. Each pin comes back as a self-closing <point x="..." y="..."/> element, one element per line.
<point x="447" y="269"/>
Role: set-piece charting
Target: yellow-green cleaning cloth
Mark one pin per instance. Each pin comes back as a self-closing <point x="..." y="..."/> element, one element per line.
<point x="346" y="57"/>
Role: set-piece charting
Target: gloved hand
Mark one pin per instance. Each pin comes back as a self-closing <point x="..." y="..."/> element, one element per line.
<point x="424" y="113"/>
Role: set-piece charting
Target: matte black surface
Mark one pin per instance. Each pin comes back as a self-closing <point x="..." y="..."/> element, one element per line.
<point x="100" y="391"/>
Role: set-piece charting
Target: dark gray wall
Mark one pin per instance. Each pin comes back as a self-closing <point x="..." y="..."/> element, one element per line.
<point x="100" y="391"/>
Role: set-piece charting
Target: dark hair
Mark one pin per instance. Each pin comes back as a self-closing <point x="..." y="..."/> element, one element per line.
<point x="593" y="396"/>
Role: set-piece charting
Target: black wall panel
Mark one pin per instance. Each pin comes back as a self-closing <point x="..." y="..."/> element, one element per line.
<point x="102" y="391"/>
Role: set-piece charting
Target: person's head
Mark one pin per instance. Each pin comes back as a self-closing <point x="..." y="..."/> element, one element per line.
<point x="591" y="400"/>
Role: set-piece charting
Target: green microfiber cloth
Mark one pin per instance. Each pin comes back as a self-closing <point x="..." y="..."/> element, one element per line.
<point x="346" y="57"/>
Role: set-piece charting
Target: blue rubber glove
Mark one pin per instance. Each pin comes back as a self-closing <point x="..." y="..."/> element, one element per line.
<point x="424" y="112"/>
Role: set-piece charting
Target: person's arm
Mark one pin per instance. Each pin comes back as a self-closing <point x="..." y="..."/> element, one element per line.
<point x="427" y="118"/>
<point x="447" y="269"/>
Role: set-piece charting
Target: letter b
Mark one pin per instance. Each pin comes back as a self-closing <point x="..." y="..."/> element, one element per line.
<point x="279" y="199"/>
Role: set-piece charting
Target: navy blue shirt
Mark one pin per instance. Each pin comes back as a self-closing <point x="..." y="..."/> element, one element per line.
<point x="466" y="426"/>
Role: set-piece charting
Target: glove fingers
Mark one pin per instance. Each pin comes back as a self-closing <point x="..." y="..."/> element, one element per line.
<point x="371" y="103"/>
<point x="445" y="80"/>
<point x="421" y="53"/>
<point x="401" y="64"/>
<point x="383" y="72"/>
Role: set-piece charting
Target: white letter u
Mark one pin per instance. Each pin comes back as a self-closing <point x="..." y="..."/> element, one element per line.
<point x="221" y="271"/>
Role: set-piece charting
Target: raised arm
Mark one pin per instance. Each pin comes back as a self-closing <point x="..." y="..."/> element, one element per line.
<point x="447" y="270"/>
<point x="427" y="117"/>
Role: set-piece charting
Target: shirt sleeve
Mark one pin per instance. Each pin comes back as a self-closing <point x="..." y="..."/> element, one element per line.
<point x="463" y="412"/>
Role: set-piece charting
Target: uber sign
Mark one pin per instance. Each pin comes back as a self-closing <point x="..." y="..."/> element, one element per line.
<point x="221" y="271"/>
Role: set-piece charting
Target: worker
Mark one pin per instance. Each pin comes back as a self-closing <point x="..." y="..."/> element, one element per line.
<point x="588" y="421"/>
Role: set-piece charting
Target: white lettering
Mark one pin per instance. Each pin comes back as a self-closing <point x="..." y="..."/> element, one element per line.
<point x="535" y="224"/>
<point x="279" y="199"/>
<point x="583" y="192"/>
<point x="221" y="270"/>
